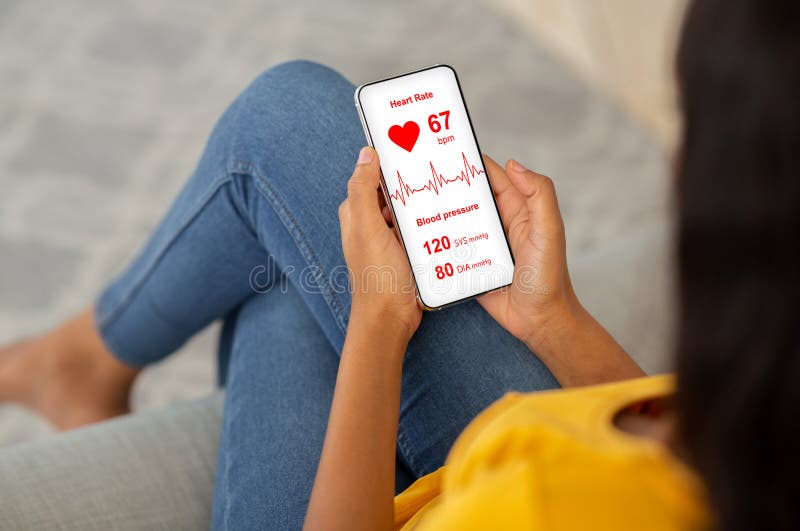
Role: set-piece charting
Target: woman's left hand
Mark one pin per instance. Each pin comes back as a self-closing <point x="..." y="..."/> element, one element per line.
<point x="382" y="285"/>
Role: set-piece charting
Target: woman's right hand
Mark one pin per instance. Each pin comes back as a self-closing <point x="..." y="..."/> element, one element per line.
<point x="540" y="297"/>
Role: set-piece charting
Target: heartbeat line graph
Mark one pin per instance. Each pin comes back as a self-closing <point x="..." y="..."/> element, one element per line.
<point x="436" y="181"/>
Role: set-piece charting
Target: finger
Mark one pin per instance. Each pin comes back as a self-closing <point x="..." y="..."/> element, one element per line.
<point x="344" y="219"/>
<point x="385" y="212"/>
<point x="381" y="197"/>
<point x="361" y="189"/>
<point x="527" y="182"/>
<point x="497" y="175"/>
<point x="509" y="200"/>
<point x="387" y="216"/>
<point x="540" y="195"/>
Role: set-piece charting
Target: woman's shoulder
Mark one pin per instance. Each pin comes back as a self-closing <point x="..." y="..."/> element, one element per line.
<point x="556" y="457"/>
<point x="585" y="411"/>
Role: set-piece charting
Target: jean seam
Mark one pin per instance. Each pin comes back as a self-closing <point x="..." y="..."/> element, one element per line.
<point x="293" y="227"/>
<point x="226" y="510"/>
<point x="104" y="320"/>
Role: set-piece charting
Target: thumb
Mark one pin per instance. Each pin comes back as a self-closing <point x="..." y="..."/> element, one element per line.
<point x="364" y="206"/>
<point x="539" y="194"/>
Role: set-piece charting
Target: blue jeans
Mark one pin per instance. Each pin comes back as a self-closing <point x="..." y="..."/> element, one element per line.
<point x="253" y="238"/>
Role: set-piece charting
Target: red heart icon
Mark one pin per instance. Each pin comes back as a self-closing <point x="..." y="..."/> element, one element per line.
<point x="405" y="136"/>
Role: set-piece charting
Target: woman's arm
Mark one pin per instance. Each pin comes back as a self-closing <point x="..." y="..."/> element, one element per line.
<point x="354" y="487"/>
<point x="579" y="351"/>
<point x="540" y="307"/>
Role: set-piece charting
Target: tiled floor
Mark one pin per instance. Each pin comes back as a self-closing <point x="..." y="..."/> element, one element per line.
<point x="104" y="107"/>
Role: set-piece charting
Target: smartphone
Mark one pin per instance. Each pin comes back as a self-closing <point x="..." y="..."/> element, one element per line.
<point x="436" y="185"/>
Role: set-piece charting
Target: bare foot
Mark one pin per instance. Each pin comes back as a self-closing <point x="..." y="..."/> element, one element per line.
<point x="67" y="375"/>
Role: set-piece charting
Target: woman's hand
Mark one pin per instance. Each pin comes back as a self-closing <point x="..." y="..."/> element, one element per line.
<point x="380" y="276"/>
<point x="541" y="293"/>
<point x="540" y="307"/>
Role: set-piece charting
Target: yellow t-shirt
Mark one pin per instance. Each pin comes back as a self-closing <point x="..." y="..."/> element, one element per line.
<point x="554" y="461"/>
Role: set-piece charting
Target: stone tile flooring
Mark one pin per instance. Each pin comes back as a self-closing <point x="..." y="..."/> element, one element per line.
<point x="105" y="106"/>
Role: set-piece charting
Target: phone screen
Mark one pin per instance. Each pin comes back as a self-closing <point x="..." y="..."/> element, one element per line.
<point x="436" y="184"/>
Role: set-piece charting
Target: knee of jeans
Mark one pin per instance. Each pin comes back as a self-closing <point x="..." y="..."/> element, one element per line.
<point x="289" y="105"/>
<point x="292" y="82"/>
<point x="296" y="71"/>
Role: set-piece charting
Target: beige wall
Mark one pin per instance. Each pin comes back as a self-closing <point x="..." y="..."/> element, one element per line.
<point x="624" y="47"/>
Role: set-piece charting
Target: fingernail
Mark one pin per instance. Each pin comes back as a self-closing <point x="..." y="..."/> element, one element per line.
<point x="364" y="156"/>
<point x="516" y="166"/>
